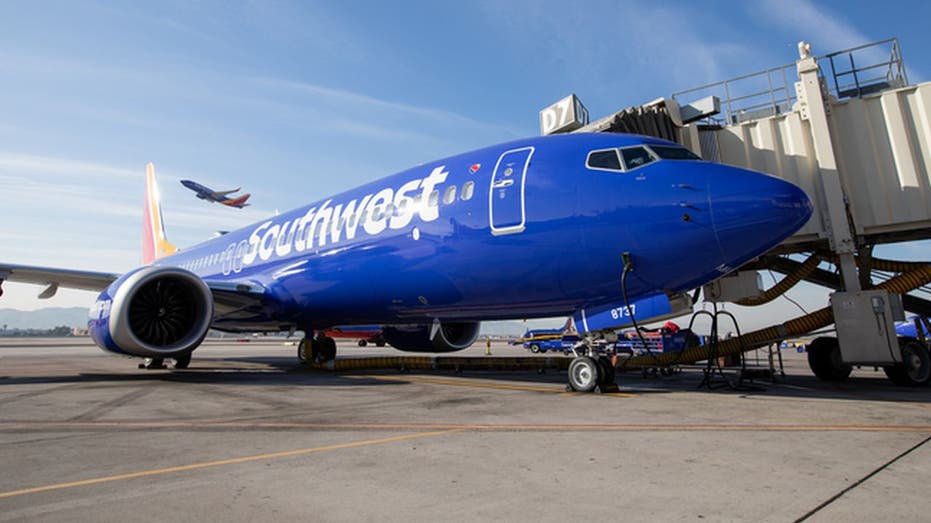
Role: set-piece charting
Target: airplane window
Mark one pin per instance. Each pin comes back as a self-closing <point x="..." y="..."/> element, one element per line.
<point x="636" y="157"/>
<point x="604" y="160"/>
<point x="673" y="153"/>
<point x="450" y="195"/>
<point x="467" y="189"/>
<point x="434" y="198"/>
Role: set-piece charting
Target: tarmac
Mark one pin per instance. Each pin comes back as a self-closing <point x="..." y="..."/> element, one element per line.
<point x="248" y="434"/>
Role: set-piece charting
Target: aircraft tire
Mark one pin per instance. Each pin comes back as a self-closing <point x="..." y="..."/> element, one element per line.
<point x="825" y="361"/>
<point x="302" y="350"/>
<point x="915" y="369"/>
<point x="182" y="362"/>
<point x="607" y="372"/>
<point x="328" y="348"/>
<point x="535" y="348"/>
<point x="363" y="343"/>
<point x="584" y="374"/>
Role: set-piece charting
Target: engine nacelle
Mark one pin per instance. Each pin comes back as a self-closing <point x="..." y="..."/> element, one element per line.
<point x="152" y="312"/>
<point x="435" y="337"/>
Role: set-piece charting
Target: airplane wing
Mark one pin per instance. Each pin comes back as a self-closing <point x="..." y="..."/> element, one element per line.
<point x="220" y="194"/>
<point x="230" y="299"/>
<point x="84" y="280"/>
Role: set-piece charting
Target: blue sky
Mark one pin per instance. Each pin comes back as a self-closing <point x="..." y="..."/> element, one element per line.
<point x="294" y="101"/>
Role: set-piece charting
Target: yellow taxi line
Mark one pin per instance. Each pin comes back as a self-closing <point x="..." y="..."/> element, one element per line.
<point x="233" y="461"/>
<point x="478" y="384"/>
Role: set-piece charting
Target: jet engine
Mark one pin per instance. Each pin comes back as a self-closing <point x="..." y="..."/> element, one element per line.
<point x="152" y="312"/>
<point x="435" y="337"/>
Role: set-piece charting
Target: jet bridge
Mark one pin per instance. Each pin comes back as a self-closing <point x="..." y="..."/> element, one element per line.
<point x="850" y="130"/>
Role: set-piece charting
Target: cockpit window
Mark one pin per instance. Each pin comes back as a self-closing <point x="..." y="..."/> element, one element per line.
<point x="606" y="160"/>
<point x="636" y="157"/>
<point x="666" y="152"/>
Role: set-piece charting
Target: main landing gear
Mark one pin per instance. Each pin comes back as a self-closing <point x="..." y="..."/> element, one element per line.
<point x="321" y="349"/>
<point x="180" y="362"/>
<point x="589" y="371"/>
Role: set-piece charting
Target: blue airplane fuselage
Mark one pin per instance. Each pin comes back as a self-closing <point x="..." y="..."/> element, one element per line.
<point x="519" y="230"/>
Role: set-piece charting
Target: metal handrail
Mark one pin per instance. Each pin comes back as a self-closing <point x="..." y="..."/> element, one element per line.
<point x="781" y="93"/>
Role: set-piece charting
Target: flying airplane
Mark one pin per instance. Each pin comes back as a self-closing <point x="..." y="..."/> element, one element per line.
<point x="540" y="227"/>
<point x="206" y="193"/>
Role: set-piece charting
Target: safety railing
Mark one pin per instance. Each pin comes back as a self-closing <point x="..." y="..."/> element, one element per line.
<point x="854" y="72"/>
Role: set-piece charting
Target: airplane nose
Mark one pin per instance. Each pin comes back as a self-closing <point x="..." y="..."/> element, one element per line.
<point x="753" y="212"/>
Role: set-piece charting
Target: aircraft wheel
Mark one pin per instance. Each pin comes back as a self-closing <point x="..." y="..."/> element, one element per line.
<point x="584" y="374"/>
<point x="608" y="373"/>
<point x="327" y="348"/>
<point x="915" y="369"/>
<point x="535" y="348"/>
<point x="825" y="361"/>
<point x="152" y="363"/>
<point x="363" y="343"/>
<point x="302" y="350"/>
<point x="379" y="343"/>
<point x="182" y="362"/>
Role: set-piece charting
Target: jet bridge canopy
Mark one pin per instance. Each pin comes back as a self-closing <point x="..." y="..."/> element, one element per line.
<point x="878" y="131"/>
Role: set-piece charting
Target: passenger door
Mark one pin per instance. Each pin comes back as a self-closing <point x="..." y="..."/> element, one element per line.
<point x="506" y="205"/>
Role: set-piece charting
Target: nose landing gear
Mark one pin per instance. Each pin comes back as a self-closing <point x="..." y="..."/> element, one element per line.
<point x="589" y="372"/>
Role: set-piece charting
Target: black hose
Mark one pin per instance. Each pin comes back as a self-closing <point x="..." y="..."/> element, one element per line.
<point x="628" y="267"/>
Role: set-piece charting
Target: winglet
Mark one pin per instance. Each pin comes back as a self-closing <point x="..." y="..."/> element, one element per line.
<point x="154" y="243"/>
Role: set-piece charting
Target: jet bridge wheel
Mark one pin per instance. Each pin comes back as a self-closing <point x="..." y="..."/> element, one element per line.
<point x="825" y="361"/>
<point x="915" y="369"/>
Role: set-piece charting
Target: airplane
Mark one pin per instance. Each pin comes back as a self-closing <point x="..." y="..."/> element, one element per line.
<point x="534" y="228"/>
<point x="206" y="193"/>
<point x="364" y="334"/>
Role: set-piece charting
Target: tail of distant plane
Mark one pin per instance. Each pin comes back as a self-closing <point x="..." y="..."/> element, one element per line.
<point x="154" y="243"/>
<point x="239" y="201"/>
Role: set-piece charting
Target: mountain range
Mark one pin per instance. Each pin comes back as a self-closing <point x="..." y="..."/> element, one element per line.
<point x="43" y="318"/>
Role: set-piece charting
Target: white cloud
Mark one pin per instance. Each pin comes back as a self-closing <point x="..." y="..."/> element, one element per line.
<point x="813" y="23"/>
<point x="10" y="161"/>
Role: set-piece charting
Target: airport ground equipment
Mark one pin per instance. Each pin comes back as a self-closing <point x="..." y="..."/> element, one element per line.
<point x="546" y="343"/>
<point x="849" y="129"/>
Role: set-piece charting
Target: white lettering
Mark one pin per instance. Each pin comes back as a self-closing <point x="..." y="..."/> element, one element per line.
<point x="283" y="247"/>
<point x="376" y="221"/>
<point x="375" y="212"/>
<point x="405" y="205"/>
<point x="300" y="240"/>
<point x="322" y="218"/>
<point x="429" y="211"/>
<point x="266" y="247"/>
<point x="254" y="240"/>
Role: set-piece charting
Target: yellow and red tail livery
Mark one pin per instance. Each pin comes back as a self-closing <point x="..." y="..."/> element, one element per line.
<point x="154" y="243"/>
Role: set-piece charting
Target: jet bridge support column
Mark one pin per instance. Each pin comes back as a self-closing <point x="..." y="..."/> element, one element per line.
<point x="834" y="215"/>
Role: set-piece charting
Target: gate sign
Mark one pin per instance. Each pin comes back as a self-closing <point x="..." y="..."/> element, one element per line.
<point x="565" y="115"/>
